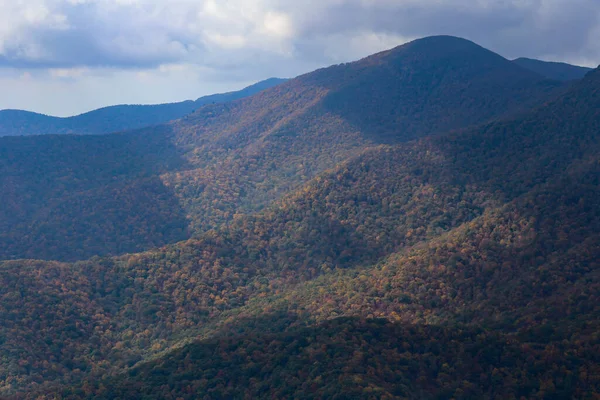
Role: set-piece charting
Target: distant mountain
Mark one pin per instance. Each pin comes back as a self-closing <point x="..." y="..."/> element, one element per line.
<point x="553" y="70"/>
<point x="115" y="118"/>
<point x="73" y="197"/>
<point x="457" y="265"/>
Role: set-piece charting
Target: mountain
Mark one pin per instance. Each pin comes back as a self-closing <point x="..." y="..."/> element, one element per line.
<point x="70" y="198"/>
<point x="553" y="70"/>
<point x="330" y="294"/>
<point x="115" y="118"/>
<point x="459" y="263"/>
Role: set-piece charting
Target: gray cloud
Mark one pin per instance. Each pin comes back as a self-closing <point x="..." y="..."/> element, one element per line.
<point x="148" y="33"/>
<point x="562" y="29"/>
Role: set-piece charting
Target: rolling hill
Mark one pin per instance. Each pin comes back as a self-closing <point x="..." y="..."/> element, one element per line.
<point x="115" y="118"/>
<point x="235" y="158"/>
<point x="459" y="263"/>
<point x="504" y="304"/>
<point x="553" y="70"/>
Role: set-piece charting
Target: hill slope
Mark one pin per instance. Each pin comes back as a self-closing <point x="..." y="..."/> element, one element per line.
<point x="238" y="157"/>
<point x="246" y="154"/>
<point x="553" y="70"/>
<point x="79" y="196"/>
<point x="359" y="359"/>
<point x="115" y="118"/>
<point x="504" y="305"/>
<point x="480" y="245"/>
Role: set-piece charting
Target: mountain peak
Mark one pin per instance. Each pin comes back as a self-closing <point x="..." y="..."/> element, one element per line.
<point x="438" y="46"/>
<point x="445" y="40"/>
<point x="432" y="58"/>
<point x="435" y="56"/>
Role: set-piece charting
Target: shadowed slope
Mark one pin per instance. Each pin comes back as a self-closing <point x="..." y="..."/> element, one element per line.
<point x="73" y="197"/>
<point x="358" y="359"/>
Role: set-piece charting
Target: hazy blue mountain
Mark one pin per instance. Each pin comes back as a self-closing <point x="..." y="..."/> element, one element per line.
<point x="115" y="118"/>
<point x="553" y="70"/>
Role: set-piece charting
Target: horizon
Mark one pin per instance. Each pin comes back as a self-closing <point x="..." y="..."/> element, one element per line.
<point x="144" y="104"/>
<point x="248" y="84"/>
<point x="64" y="58"/>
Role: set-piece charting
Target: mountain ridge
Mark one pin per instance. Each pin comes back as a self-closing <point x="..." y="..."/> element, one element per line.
<point x="458" y="263"/>
<point x="238" y="157"/>
<point x="115" y="118"/>
<point x="554" y="70"/>
<point x="460" y="273"/>
<point x="326" y="127"/>
<point x="524" y="269"/>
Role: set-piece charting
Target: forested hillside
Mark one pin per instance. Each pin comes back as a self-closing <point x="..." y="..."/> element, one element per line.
<point x="457" y="265"/>
<point x="235" y="158"/>
<point x="115" y="118"/>
<point x="73" y="197"/>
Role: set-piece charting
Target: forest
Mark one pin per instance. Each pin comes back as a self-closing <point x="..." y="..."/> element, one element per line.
<point x="238" y="157"/>
<point x="441" y="248"/>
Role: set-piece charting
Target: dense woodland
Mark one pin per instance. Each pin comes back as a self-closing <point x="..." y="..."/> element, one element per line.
<point x="361" y="359"/>
<point x="62" y="199"/>
<point x="460" y="264"/>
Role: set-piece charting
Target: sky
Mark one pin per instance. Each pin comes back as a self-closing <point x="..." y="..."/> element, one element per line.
<point x="64" y="57"/>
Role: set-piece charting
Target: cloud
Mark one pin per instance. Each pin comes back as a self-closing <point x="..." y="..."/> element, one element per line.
<point x="147" y="33"/>
<point x="235" y="41"/>
<point x="137" y="33"/>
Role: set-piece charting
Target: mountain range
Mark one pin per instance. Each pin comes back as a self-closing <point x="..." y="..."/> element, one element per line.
<point x="422" y="223"/>
<point x="126" y="117"/>
<point x="115" y="118"/>
<point x="73" y="197"/>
